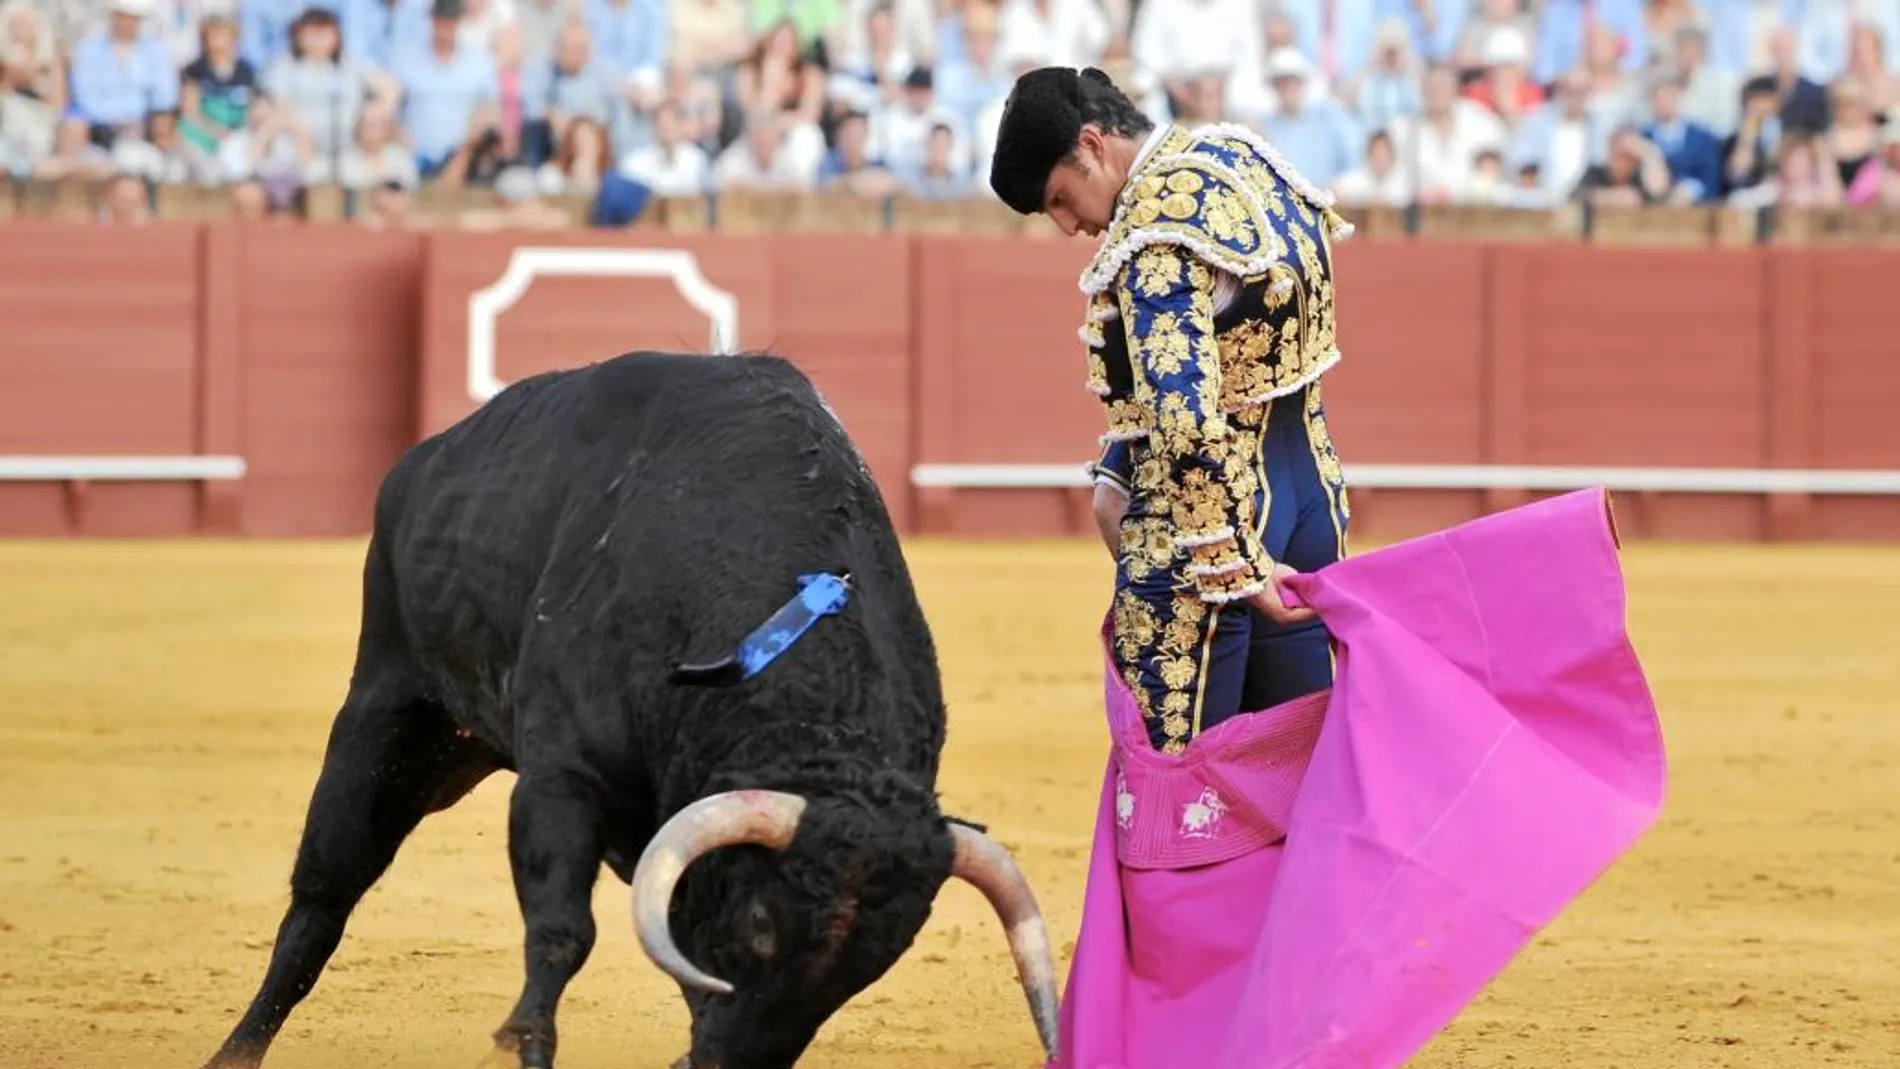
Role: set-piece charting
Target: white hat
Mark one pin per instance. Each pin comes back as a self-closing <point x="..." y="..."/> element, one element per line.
<point x="1287" y="63"/>
<point x="140" y="8"/>
<point x="1505" y="45"/>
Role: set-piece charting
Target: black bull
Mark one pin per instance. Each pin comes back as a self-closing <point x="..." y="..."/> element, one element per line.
<point x="534" y="574"/>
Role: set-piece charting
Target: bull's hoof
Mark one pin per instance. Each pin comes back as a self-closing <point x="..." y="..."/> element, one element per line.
<point x="519" y="1052"/>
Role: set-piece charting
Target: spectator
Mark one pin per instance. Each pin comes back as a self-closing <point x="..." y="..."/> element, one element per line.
<point x="1634" y="174"/>
<point x="272" y="149"/>
<point x="1804" y="103"/>
<point x="121" y="75"/>
<point x="1615" y="95"/>
<point x="1748" y="152"/>
<point x="943" y="174"/>
<point x="1072" y="33"/>
<point x="381" y="32"/>
<point x="504" y="50"/>
<point x="321" y="90"/>
<point x="1824" y="32"/>
<point x="1378" y="181"/>
<point x="977" y="78"/>
<point x="1487" y="185"/>
<point x="216" y="88"/>
<point x="1173" y="39"/>
<point x="1319" y="139"/>
<point x="1853" y="139"/>
<point x="1488" y="16"/>
<point x="1504" y="87"/>
<point x="700" y="104"/>
<point x="990" y="120"/>
<point x="815" y="24"/>
<point x="386" y="206"/>
<point x="32" y="87"/>
<point x="1390" y="88"/>
<point x="127" y="201"/>
<point x="759" y="160"/>
<point x="1710" y="96"/>
<point x="1562" y="138"/>
<point x="1568" y="31"/>
<point x="1739" y="33"/>
<point x="250" y="202"/>
<point x="586" y="153"/>
<point x="898" y="133"/>
<point x="482" y="20"/>
<point x="1877" y="184"/>
<point x="1200" y="98"/>
<point x="849" y="166"/>
<point x="709" y="34"/>
<point x="777" y="76"/>
<point x="375" y="157"/>
<point x="631" y="38"/>
<point x="570" y="85"/>
<point x="1663" y="23"/>
<point x="1338" y="37"/>
<point x="541" y="22"/>
<point x="1806" y="176"/>
<point x="1436" y="149"/>
<point x="1693" y="154"/>
<point x="910" y="27"/>
<point x="881" y="61"/>
<point x="164" y="158"/>
<point x="1867" y="64"/>
<point x="671" y="165"/>
<point x="451" y="97"/>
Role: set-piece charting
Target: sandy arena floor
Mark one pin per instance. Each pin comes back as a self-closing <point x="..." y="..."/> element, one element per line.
<point x="163" y="708"/>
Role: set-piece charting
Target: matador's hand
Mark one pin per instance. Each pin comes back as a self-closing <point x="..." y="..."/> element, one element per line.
<point x="1269" y="601"/>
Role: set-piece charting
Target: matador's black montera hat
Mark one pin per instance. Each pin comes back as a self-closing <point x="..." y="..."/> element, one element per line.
<point x="1041" y="120"/>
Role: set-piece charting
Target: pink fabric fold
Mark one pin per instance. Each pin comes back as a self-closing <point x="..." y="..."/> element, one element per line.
<point x="1327" y="883"/>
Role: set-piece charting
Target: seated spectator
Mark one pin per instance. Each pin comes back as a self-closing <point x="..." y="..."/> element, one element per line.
<point x="878" y="62"/>
<point x="504" y="51"/>
<point x="121" y="75"/>
<point x="1390" y="87"/>
<point x="1877" y="184"/>
<point x="386" y="206"/>
<point x="1588" y="33"/>
<point x="849" y="166"/>
<point x="1438" y="146"/>
<point x="1711" y="96"/>
<point x="899" y="132"/>
<point x="74" y="156"/>
<point x="215" y="89"/>
<point x="1319" y="139"/>
<point x="700" y="103"/>
<point x="885" y="38"/>
<point x="451" y="98"/>
<point x="671" y="165"/>
<point x="944" y="175"/>
<point x="1806" y="176"/>
<point x="1378" y="181"/>
<point x="571" y="85"/>
<point x="540" y="22"/>
<point x="1174" y="38"/>
<point x="1072" y="33"/>
<point x="1527" y="190"/>
<point x="631" y="38"/>
<point x="375" y="157"/>
<point x="272" y="148"/>
<point x="321" y="90"/>
<point x="1616" y="96"/>
<point x="1198" y="99"/>
<point x="1693" y="154"/>
<point x="482" y="20"/>
<point x="163" y="157"/>
<point x="381" y="32"/>
<point x="1853" y="139"/>
<point x="586" y="153"/>
<point x="778" y="77"/>
<point x="1562" y="138"/>
<point x="1487" y="17"/>
<point x="1866" y="64"/>
<point x="1803" y="102"/>
<point x="1663" y="23"/>
<point x="1505" y="86"/>
<point x="973" y="80"/>
<point x="759" y="160"/>
<point x="1748" y="153"/>
<point x="1634" y="175"/>
<point x="990" y="119"/>
<point x="32" y="87"/>
<point x="250" y="202"/>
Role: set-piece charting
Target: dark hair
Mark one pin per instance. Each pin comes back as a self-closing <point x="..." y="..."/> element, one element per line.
<point x="1042" y="122"/>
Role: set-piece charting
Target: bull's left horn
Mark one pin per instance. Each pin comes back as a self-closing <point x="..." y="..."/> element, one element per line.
<point x="986" y="865"/>
<point x="768" y="818"/>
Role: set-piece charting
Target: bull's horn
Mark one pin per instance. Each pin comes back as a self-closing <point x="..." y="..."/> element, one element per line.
<point x="984" y="863"/>
<point x="768" y="818"/>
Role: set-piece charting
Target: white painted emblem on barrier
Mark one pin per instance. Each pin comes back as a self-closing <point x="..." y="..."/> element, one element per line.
<point x="1124" y="803"/>
<point x="1200" y="819"/>
<point x="486" y="305"/>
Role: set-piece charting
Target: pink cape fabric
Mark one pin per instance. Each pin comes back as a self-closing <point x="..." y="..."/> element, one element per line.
<point x="1327" y="883"/>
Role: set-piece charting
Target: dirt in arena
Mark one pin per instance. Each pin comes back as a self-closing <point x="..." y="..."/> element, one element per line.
<point x="163" y="708"/>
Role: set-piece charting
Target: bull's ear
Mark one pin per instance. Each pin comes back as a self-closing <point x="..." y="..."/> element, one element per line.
<point x="984" y="828"/>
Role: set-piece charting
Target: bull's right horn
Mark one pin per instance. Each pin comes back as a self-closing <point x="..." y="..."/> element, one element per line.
<point x="767" y="818"/>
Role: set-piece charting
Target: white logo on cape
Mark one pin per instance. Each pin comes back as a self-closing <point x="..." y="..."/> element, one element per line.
<point x="1200" y="819"/>
<point x="1124" y="803"/>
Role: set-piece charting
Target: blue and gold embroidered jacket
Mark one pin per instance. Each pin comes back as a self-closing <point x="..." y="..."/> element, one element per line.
<point x="1211" y="295"/>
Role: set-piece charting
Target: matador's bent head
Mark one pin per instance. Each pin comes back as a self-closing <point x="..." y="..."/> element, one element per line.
<point x="1065" y="146"/>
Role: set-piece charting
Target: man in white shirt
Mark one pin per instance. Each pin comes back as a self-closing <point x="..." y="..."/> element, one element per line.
<point x="759" y="160"/>
<point x="1174" y="39"/>
<point x="669" y="165"/>
<point x="1436" y="148"/>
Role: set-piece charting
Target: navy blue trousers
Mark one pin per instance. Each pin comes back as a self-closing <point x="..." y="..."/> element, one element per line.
<point x="1194" y="664"/>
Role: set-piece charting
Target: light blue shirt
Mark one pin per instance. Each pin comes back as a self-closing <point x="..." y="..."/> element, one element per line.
<point x="587" y="92"/>
<point x="379" y="32"/>
<point x="439" y="99"/>
<point x="264" y="27"/>
<point x="965" y="90"/>
<point x="1560" y="35"/>
<point x="1356" y="27"/>
<point x="1321" y="143"/>
<point x="631" y="38"/>
<point x="114" y="88"/>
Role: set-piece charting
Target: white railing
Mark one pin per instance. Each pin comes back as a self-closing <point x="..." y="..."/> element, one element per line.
<point x="121" y="468"/>
<point x="1470" y="477"/>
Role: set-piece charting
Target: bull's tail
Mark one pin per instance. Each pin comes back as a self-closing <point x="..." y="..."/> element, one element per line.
<point x="819" y="594"/>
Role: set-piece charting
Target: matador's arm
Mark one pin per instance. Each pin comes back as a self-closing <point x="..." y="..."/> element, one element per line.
<point x="1167" y="306"/>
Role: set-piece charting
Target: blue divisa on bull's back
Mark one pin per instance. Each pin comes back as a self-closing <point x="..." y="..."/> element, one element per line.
<point x="537" y="574"/>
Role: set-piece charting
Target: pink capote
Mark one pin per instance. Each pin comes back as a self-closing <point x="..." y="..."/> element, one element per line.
<point x="1326" y="883"/>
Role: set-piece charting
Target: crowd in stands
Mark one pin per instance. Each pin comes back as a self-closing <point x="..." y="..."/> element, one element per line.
<point x="1527" y="103"/>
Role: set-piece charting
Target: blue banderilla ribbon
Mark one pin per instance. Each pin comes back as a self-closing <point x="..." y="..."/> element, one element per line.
<point x="819" y="594"/>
